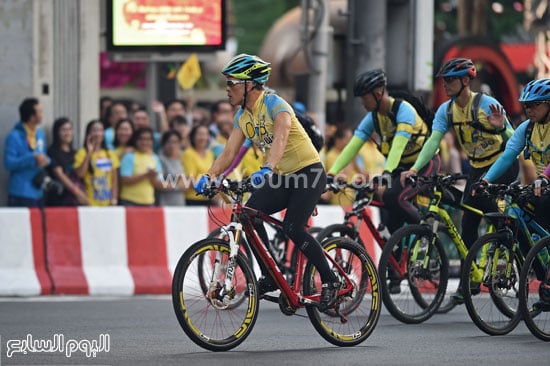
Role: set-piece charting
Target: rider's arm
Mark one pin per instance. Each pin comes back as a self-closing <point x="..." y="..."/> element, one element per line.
<point x="394" y="157"/>
<point x="347" y="155"/>
<point x="514" y="147"/>
<point x="228" y="154"/>
<point x="242" y="151"/>
<point x="501" y="165"/>
<point x="361" y="134"/>
<point x="429" y="150"/>
<point x="508" y="132"/>
<point x="281" y="130"/>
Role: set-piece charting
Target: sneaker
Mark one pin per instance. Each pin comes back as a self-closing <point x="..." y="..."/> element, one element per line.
<point x="265" y="285"/>
<point x="458" y="297"/>
<point x="395" y="287"/>
<point x="475" y="288"/>
<point x="540" y="306"/>
<point x="328" y="295"/>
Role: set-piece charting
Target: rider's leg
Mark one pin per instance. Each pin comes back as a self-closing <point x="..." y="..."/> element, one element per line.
<point x="268" y="199"/>
<point x="470" y="220"/>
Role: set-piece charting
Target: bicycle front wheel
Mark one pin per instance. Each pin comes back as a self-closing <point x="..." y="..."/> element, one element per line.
<point x="490" y="284"/>
<point x="413" y="274"/>
<point x="534" y="301"/>
<point x="208" y="317"/>
<point x="354" y="316"/>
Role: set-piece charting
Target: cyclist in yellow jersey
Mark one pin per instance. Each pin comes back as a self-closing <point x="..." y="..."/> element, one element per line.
<point x="400" y="132"/>
<point x="532" y="138"/>
<point x="482" y="138"/>
<point x="292" y="175"/>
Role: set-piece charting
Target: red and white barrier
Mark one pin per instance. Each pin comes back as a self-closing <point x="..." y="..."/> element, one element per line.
<point x="22" y="260"/>
<point x="108" y="251"/>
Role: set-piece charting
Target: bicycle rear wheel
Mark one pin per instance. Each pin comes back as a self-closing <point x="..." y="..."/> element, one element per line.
<point x="490" y="284"/>
<point x="338" y="231"/>
<point x="425" y="273"/>
<point x="533" y="301"/>
<point x="360" y="310"/>
<point x="208" y="318"/>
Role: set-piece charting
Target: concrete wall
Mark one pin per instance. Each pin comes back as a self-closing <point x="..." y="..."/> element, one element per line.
<point x="50" y="50"/>
<point x="16" y="68"/>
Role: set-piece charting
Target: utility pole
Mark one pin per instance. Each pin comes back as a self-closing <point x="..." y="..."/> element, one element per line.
<point x="366" y="48"/>
<point x="318" y="60"/>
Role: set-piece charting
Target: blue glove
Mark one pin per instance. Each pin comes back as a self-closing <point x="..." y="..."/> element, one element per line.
<point x="260" y="176"/>
<point x="201" y="185"/>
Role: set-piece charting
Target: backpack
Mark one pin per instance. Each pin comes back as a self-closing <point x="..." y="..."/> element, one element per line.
<point x="426" y="114"/>
<point x="423" y="112"/>
<point x="315" y="135"/>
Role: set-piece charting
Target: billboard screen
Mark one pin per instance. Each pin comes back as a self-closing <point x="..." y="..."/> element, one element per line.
<point x="165" y="25"/>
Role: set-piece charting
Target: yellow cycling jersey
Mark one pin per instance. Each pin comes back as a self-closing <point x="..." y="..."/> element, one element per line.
<point x="483" y="147"/>
<point x="258" y="127"/>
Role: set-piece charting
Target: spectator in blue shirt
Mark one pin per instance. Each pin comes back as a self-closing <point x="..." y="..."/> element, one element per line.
<point x="25" y="157"/>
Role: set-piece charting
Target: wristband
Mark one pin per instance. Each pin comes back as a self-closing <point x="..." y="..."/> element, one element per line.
<point x="268" y="165"/>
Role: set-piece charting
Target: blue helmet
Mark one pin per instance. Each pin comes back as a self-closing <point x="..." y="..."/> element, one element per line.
<point x="458" y="67"/>
<point x="248" y="67"/>
<point x="536" y="90"/>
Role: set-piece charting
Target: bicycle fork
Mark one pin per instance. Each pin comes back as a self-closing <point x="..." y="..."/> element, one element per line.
<point x="226" y="292"/>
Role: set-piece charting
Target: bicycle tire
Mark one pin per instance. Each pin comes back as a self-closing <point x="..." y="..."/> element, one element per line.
<point x="339" y="230"/>
<point x="537" y="321"/>
<point x="205" y="318"/>
<point x="360" y="321"/>
<point x="426" y="287"/>
<point x="490" y="294"/>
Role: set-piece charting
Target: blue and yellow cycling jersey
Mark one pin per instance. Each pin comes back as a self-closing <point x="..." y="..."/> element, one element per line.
<point x="482" y="143"/>
<point x="408" y="124"/>
<point x="538" y="147"/>
<point x="258" y="127"/>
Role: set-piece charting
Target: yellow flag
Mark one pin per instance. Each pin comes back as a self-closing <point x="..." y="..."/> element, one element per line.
<point x="189" y="72"/>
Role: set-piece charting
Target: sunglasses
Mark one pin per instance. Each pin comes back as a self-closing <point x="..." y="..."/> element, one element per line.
<point x="534" y="104"/>
<point x="234" y="82"/>
<point x="450" y="79"/>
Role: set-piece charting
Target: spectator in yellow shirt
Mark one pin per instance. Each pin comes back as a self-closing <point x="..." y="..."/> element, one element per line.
<point x="140" y="171"/>
<point x="97" y="166"/>
<point x="196" y="160"/>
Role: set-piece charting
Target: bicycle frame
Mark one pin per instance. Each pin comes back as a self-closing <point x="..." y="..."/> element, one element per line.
<point x="435" y="211"/>
<point x="245" y="215"/>
<point x="435" y="208"/>
<point x="359" y="210"/>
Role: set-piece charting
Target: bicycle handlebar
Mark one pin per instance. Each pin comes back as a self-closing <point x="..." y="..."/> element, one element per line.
<point x="440" y="180"/>
<point x="228" y="186"/>
<point x="337" y="186"/>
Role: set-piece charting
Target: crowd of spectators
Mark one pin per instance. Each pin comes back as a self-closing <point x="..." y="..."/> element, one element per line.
<point x="132" y="158"/>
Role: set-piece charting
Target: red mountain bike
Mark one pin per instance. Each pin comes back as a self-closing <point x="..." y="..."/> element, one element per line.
<point x="209" y="315"/>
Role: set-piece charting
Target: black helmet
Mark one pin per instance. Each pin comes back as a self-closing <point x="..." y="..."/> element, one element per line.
<point x="368" y="81"/>
<point x="458" y="67"/>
